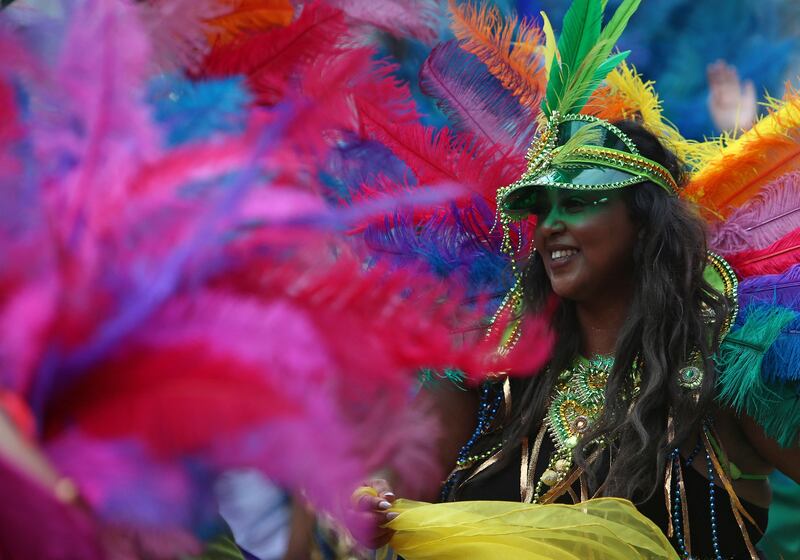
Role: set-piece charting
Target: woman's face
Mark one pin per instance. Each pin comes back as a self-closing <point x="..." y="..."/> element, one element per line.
<point x="586" y="240"/>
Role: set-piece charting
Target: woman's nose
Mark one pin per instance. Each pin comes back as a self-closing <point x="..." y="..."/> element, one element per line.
<point x="550" y="222"/>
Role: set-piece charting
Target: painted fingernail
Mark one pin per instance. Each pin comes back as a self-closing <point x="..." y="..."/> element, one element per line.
<point x="383" y="504"/>
<point x="391" y="515"/>
<point x="388" y="495"/>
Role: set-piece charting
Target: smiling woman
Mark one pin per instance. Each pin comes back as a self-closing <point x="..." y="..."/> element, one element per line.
<point x="628" y="266"/>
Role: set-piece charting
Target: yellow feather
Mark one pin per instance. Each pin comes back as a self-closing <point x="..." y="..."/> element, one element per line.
<point x="642" y="103"/>
<point x="550" y="45"/>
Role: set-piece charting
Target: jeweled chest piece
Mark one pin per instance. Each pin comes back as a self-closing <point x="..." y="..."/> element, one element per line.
<point x="578" y="401"/>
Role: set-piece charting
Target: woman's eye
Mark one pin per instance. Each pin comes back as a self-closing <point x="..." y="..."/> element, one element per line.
<point x="574" y="205"/>
<point x="540" y="210"/>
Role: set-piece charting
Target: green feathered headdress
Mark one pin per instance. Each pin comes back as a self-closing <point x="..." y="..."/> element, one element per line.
<point x="572" y="150"/>
<point x="577" y="151"/>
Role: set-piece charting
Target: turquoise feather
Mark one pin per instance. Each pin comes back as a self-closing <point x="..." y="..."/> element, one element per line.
<point x="742" y="383"/>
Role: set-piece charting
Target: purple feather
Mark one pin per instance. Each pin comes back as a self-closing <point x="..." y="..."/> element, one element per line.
<point x="775" y="289"/>
<point x="474" y="100"/>
<point x="355" y="163"/>
<point x="770" y="215"/>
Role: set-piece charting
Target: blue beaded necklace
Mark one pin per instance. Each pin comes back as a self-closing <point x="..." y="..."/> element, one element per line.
<point x="490" y="399"/>
<point x="677" y="506"/>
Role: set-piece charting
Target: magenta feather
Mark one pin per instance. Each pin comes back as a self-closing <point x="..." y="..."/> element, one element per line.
<point x="337" y="85"/>
<point x="770" y="215"/>
<point x="775" y="259"/>
<point x="474" y="100"/>
<point x="39" y="526"/>
<point x="420" y="19"/>
<point x="91" y="127"/>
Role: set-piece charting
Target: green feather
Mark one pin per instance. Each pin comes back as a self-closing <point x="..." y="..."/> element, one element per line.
<point x="619" y="20"/>
<point x="590" y="133"/>
<point x="775" y="405"/>
<point x="584" y="50"/>
<point x="222" y="548"/>
<point x="431" y="378"/>
<point x="580" y="32"/>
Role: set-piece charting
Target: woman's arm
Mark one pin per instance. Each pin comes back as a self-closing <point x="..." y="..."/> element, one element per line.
<point x="786" y="460"/>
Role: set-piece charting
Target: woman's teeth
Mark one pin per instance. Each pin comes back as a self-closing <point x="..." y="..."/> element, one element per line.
<point x="562" y="254"/>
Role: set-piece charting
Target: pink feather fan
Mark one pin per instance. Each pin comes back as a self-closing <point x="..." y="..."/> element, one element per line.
<point x="166" y="308"/>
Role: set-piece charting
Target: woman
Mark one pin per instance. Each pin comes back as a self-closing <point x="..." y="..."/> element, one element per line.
<point x="631" y="404"/>
<point x="628" y="267"/>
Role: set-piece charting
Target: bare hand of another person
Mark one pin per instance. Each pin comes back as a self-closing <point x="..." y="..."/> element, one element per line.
<point x="732" y="103"/>
<point x="372" y="511"/>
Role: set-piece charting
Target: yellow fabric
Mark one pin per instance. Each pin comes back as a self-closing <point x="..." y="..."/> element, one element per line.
<point x="602" y="528"/>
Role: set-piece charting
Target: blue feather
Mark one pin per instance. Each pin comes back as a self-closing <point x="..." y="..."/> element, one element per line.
<point x="776" y="289"/>
<point x="192" y="111"/>
<point x="355" y="163"/>
<point x="443" y="244"/>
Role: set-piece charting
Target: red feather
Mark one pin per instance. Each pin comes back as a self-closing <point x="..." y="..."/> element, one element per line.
<point x="337" y="84"/>
<point x="271" y="58"/>
<point x="10" y="131"/>
<point x="775" y="259"/>
<point x="444" y="157"/>
<point x="177" y="399"/>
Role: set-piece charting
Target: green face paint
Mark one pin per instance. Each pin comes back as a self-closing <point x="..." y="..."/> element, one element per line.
<point x="570" y="206"/>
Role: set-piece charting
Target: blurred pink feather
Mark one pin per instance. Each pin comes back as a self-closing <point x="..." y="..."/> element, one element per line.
<point x="420" y="19"/>
<point x="33" y="524"/>
<point x="91" y="127"/>
<point x="25" y="318"/>
<point x="178" y="31"/>
<point x="769" y="216"/>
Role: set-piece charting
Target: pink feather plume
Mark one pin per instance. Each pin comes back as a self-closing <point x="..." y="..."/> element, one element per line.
<point x="770" y="215"/>
<point x="179" y="29"/>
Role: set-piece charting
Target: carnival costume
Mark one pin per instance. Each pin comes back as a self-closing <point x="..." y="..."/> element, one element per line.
<point x="743" y="188"/>
<point x="173" y="252"/>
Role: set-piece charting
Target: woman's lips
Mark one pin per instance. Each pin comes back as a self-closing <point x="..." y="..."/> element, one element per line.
<point x="560" y="258"/>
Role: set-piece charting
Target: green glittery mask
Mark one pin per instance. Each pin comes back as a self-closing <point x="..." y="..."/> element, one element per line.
<point x="580" y="152"/>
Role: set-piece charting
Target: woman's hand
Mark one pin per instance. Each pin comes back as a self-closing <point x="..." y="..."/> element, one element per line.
<point x="372" y="512"/>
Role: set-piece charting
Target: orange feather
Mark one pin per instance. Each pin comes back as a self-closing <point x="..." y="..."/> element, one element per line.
<point x="249" y="16"/>
<point x="509" y="49"/>
<point x="611" y="105"/>
<point x="737" y="170"/>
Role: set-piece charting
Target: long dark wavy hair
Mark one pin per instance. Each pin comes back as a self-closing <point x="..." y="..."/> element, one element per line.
<point x="674" y="313"/>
